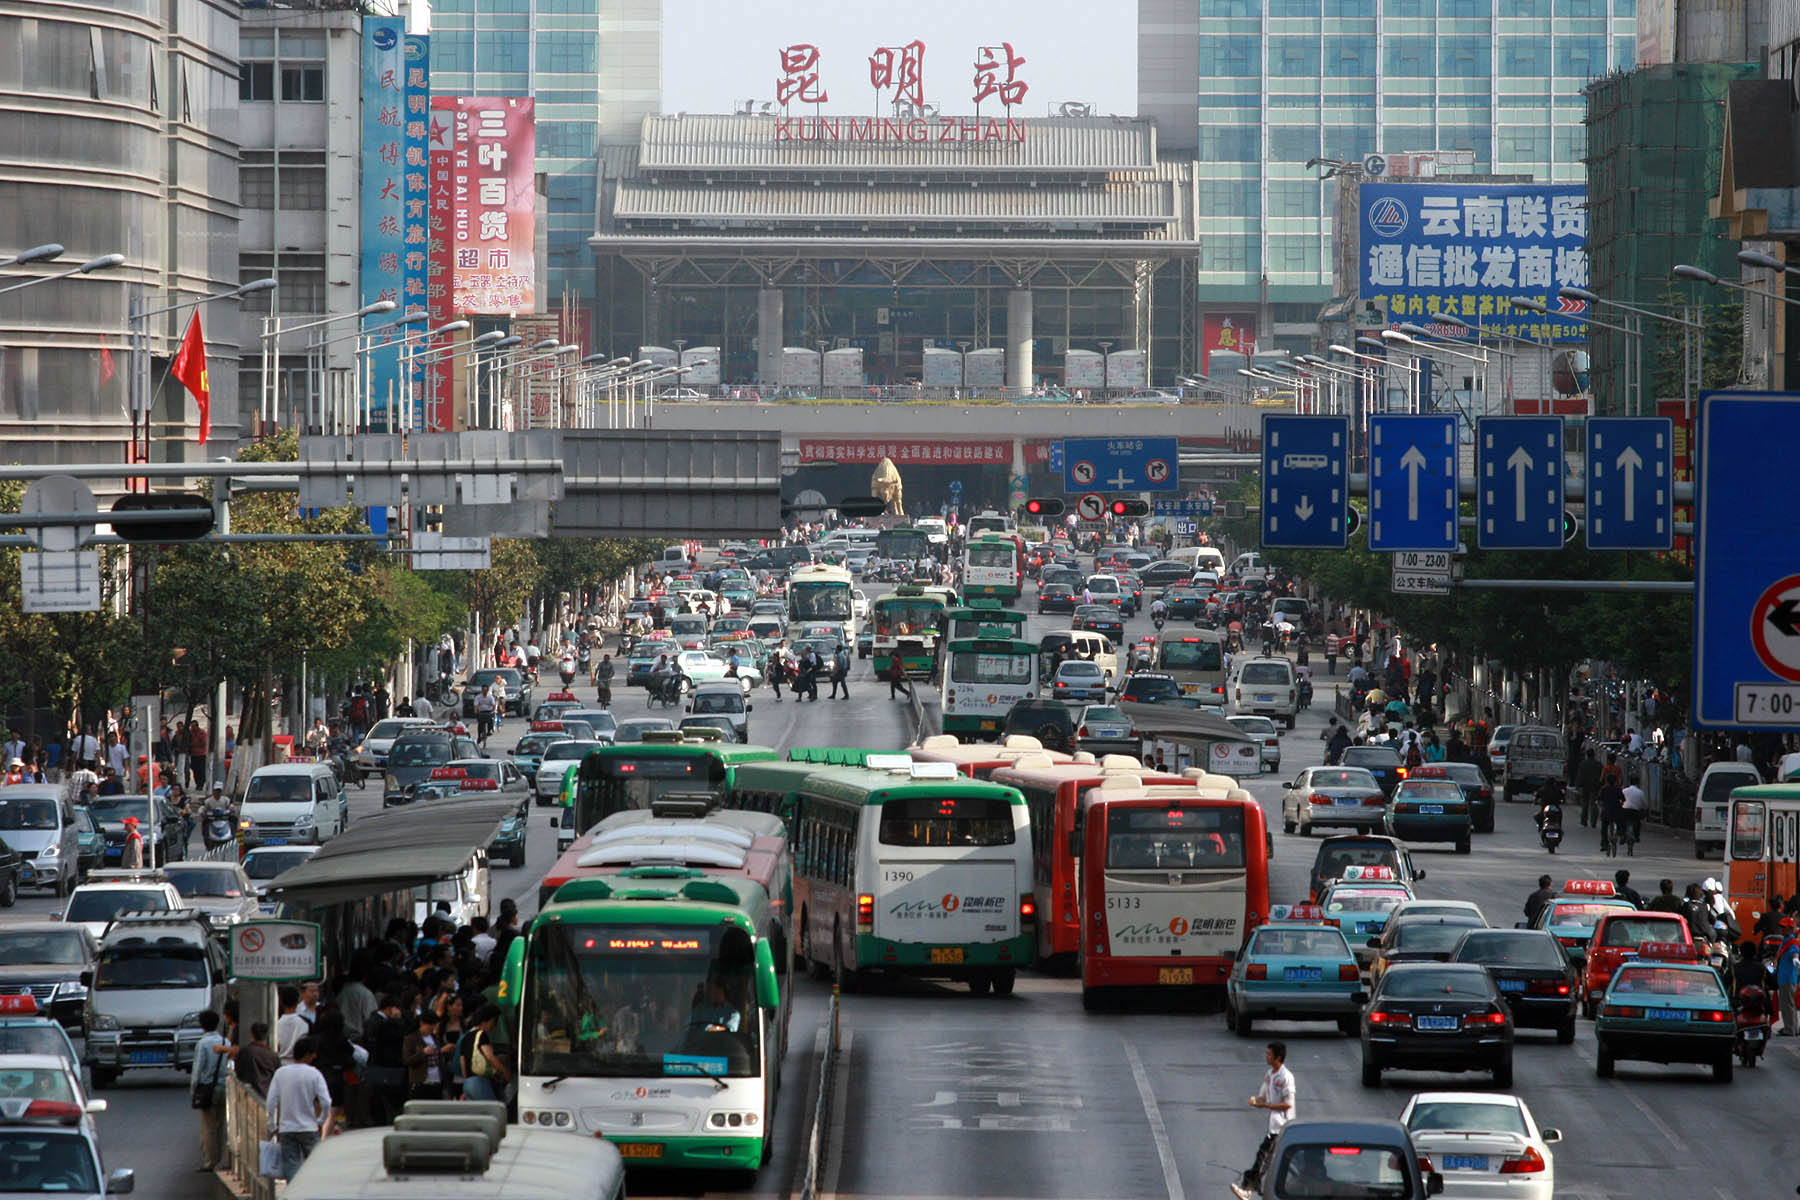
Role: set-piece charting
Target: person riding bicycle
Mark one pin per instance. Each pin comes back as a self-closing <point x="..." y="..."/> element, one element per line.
<point x="484" y="713"/>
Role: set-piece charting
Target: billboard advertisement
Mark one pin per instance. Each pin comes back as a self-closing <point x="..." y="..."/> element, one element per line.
<point x="985" y="368"/>
<point x="1234" y="333"/>
<point x="942" y="368"/>
<point x="1083" y="369"/>
<point x="383" y="183"/>
<point x="799" y="368"/>
<point x="1467" y="249"/>
<point x="493" y="150"/>
<point x="844" y="369"/>
<point x="705" y="363"/>
<point x="415" y="189"/>
<point x="1127" y="369"/>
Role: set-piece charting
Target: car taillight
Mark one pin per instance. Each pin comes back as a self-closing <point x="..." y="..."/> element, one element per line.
<point x="1547" y="987"/>
<point x="1528" y="1163"/>
<point x="1373" y="802"/>
<point x="1027" y="910"/>
<point x="1381" y="1017"/>
<point x="1219" y="690"/>
<point x="1493" y="1018"/>
<point x="1400" y="771"/>
<point x="1256" y="971"/>
<point x="1711" y="1014"/>
<point x="1620" y="1010"/>
<point x="865" y="913"/>
<point x="1348" y="973"/>
<point x="1569" y="941"/>
<point x="1316" y="798"/>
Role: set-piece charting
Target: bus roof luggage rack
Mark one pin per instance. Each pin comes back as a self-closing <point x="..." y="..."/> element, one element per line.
<point x="486" y="1124"/>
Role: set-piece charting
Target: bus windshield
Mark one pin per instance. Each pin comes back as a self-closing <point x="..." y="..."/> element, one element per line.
<point x="902" y="543"/>
<point x="640" y="1000"/>
<point x="992" y="555"/>
<point x="946" y="821"/>
<point x="977" y="666"/>
<point x="906" y="618"/>
<point x="823" y="602"/>
<point x="614" y="785"/>
<point x="1174" y="839"/>
<point x="1192" y="654"/>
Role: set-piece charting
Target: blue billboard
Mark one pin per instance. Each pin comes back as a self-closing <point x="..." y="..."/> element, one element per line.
<point x="1467" y="249"/>
<point x="383" y="188"/>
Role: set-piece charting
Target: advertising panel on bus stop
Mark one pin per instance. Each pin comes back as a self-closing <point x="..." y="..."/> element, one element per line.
<point x="264" y="951"/>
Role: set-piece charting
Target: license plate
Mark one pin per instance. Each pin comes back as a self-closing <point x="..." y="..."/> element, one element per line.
<point x="1665" y="1014"/>
<point x="1260" y="699"/>
<point x="1301" y="973"/>
<point x="1755" y="1034"/>
<point x="1465" y="1162"/>
<point x="1510" y="985"/>
<point x="1188" y="689"/>
<point x="1436" y="1024"/>
<point x="639" y="1149"/>
<point x="1432" y="808"/>
<point x="26" y="873"/>
<point x="269" y="841"/>
<point x="1347" y="802"/>
<point x="1179" y="976"/>
<point x="946" y="954"/>
<point x="152" y="1057"/>
<point x="1366" y="927"/>
<point x="986" y="725"/>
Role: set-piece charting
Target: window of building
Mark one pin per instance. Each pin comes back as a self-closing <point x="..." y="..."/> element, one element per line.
<point x="1350" y="8"/>
<point x="1524" y="56"/>
<point x="453" y="50"/>
<point x="1293" y="8"/>
<point x="1478" y="138"/>
<point x="256" y="179"/>
<point x="1536" y="9"/>
<point x="1232" y="57"/>
<point x="1349" y="141"/>
<point x="1231" y="8"/>
<point x="1227" y="253"/>
<point x="297" y="177"/>
<point x="565" y="139"/>
<point x="1350" y="57"/>
<point x="1293" y="143"/>
<point x="1581" y="8"/>
<point x="1409" y="8"/>
<point x="302" y="62"/>
<point x="301" y="278"/>
<point x="1466" y="9"/>
<point x="1409" y="57"/>
<point x="1230" y="143"/>
<point x="1228" y="197"/>
<point x="1293" y="199"/>
<point x="1571" y="143"/>
<point x="1624" y="8"/>
<point x="1624" y="53"/>
<point x="1463" y="57"/>
<point x="506" y="52"/>
<point x="1294" y="56"/>
<point x="568" y="6"/>
<point x="1581" y="57"/>
<point x="1294" y="253"/>
<point x="568" y="52"/>
<point x="1519" y="144"/>
<point x="256" y="67"/>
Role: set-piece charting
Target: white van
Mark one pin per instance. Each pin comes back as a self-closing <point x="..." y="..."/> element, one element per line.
<point x="1266" y="687"/>
<point x="459" y="899"/>
<point x="1250" y="568"/>
<point x="1201" y="558"/>
<point x="1711" y="802"/>
<point x="1087" y="643"/>
<point x="293" y="802"/>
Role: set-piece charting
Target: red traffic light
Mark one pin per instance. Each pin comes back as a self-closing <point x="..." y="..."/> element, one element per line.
<point x="1130" y="508"/>
<point x="1045" y="507"/>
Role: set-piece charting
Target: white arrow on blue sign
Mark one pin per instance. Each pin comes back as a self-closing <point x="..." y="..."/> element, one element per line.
<point x="1412" y="481"/>
<point x="1305" y="472"/>
<point x="1519" y="483"/>
<point x="1630" y="483"/>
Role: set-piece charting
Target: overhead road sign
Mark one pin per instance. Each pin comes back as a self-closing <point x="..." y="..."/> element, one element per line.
<point x="1181" y="508"/>
<point x="1747" y="589"/>
<point x="1519" y="483"/>
<point x="1630" y="492"/>
<point x="1412" y="481"/>
<point x="1305" y="480"/>
<point x="1126" y="464"/>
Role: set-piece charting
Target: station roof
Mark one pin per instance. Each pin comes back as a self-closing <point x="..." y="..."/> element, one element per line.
<point x="395" y="851"/>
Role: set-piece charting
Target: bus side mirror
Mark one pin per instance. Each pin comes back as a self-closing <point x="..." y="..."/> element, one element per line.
<point x="768" y="984"/>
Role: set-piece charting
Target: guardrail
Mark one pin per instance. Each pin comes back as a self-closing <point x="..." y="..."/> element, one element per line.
<point x="815" y="1140"/>
<point x="246" y="1126"/>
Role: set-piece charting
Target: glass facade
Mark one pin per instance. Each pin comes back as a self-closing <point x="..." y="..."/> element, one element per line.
<point x="548" y="49"/>
<point x="1284" y="81"/>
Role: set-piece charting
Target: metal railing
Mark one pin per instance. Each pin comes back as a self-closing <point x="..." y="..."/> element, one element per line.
<point x="822" y="1109"/>
<point x="246" y="1127"/>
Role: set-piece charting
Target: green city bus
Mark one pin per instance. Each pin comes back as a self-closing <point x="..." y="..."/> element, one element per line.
<point x="907" y="622"/>
<point x="968" y="620"/>
<point x="633" y="774"/>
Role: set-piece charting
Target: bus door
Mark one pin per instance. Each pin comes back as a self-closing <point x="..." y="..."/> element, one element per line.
<point x="1749" y="871"/>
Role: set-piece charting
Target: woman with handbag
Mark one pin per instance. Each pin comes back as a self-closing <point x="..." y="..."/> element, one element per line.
<point x="206" y="1092"/>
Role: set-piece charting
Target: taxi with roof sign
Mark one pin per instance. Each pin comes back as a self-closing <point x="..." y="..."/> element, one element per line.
<point x="1295" y="967"/>
<point x="1359" y="906"/>
<point x="1475" y="788"/>
<point x="1429" y="810"/>
<point x="26" y="1029"/>
<point x="528" y="755"/>
<point x="1337" y="855"/>
<point x="486" y="777"/>
<point x="1572" y="915"/>
<point x="47" y="1138"/>
<point x="1665" y="1006"/>
<point x="1617" y="939"/>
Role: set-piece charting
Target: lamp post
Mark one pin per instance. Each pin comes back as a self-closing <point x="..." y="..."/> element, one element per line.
<point x="269" y="410"/>
<point x="1409" y="363"/>
<point x="1509" y="372"/>
<point x="409" y="355"/>
<point x="1692" y="343"/>
<point x="487" y="415"/>
<point x="1750" y="258"/>
<point x="366" y="345"/>
<point x="139" y="332"/>
<point x="105" y="262"/>
<point x="43" y="253"/>
<point x="1633" y="361"/>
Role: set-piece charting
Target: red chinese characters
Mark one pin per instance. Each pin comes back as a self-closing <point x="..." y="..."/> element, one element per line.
<point x="901" y="68"/>
<point x="996" y="74"/>
<point x="799" y="78"/>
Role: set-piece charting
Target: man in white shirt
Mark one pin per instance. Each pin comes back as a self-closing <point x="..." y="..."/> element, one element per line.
<point x="118" y="756"/>
<point x="299" y="1104"/>
<point x="290" y="1026"/>
<point x="1277" y="1096"/>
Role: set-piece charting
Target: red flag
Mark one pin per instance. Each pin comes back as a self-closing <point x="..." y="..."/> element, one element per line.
<point x="106" y="361"/>
<point x="190" y="370"/>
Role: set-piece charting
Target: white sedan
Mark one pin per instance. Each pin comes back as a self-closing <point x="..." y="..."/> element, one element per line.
<point x="1484" y="1144"/>
<point x="702" y="667"/>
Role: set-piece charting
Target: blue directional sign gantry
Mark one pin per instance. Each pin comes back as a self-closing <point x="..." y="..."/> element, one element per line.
<point x="1519" y="483"/>
<point x="1122" y="464"/>
<point x="1305" y="474"/>
<point x="1412" y="481"/>
<point x="1630" y="483"/>
<point x="1746" y="590"/>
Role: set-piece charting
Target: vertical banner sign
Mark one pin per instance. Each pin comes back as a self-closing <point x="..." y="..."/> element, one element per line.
<point x="442" y="213"/>
<point x="493" y="260"/>
<point x="1467" y="249"/>
<point x="383" y="183"/>
<point x="416" y="225"/>
<point x="1231" y="332"/>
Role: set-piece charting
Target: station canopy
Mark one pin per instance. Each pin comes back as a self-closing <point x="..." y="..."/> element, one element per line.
<point x="395" y="851"/>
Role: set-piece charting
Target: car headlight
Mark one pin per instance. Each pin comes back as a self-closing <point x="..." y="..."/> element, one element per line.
<point x="51" y="851"/>
<point x="103" y="1021"/>
<point x="190" y="1021"/>
<point x="300" y="821"/>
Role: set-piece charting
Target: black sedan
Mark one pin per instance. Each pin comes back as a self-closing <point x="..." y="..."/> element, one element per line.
<point x="1533" y="972"/>
<point x="1383" y="762"/>
<point x="1055" y="597"/>
<point x="1476" y="791"/>
<point x="1437" y="1017"/>
<point x="1102" y="619"/>
<point x="1165" y="572"/>
<point x="1150" y="687"/>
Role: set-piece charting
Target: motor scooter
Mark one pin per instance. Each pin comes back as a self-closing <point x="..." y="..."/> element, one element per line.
<point x="217" y="829"/>
<point x="1550" y="827"/>
<point x="1755" y="1022"/>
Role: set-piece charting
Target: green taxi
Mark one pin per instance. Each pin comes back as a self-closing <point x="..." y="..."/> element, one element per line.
<point x="1359" y="909"/>
<point x="1571" y="916"/>
<point x="1294" y="968"/>
<point x="528" y="755"/>
<point x="1429" y="810"/>
<point x="1665" y="1006"/>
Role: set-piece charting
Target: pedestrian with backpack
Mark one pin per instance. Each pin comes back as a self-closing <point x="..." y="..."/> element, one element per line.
<point x="840" y="672"/>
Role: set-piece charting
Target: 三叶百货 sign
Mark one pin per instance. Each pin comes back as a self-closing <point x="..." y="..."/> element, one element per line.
<point x="275" y="951"/>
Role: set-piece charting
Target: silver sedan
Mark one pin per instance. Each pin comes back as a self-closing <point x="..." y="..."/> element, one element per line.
<point x="1344" y="797"/>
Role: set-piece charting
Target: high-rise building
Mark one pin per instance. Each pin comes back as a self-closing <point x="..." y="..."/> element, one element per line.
<point x="1256" y="89"/>
<point x="120" y="137"/>
<point x="595" y="70"/>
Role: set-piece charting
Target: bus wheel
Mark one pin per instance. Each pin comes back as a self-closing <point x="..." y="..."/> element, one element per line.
<point x="1003" y="981"/>
<point x="979" y="984"/>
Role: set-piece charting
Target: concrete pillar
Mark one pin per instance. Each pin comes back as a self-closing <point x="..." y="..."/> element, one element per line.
<point x="1018" y="341"/>
<point x="1018" y="481"/>
<point x="768" y="337"/>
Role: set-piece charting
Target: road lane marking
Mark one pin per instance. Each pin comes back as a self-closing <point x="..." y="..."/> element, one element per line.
<point x="1159" y="1133"/>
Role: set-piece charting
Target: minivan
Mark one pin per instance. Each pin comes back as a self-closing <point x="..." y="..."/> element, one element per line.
<point x="1201" y="558"/>
<point x="723" y="698"/>
<point x="36" y="821"/>
<point x="1710" y="802"/>
<point x="293" y="802"/>
<point x="1087" y="644"/>
<point x="1266" y="687"/>
<point x="157" y="972"/>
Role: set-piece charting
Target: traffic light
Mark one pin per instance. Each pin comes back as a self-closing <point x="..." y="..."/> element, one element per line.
<point x="1130" y="508"/>
<point x="175" y="529"/>
<point x="1571" y="526"/>
<point x="861" y="506"/>
<point x="1046" y="507"/>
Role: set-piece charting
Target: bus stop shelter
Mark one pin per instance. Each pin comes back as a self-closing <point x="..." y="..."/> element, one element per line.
<point x="1210" y="741"/>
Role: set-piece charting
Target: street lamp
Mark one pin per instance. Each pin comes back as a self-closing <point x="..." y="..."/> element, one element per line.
<point x="1693" y="346"/>
<point x="409" y="354"/>
<point x="1633" y="367"/>
<point x="268" y="410"/>
<point x="1750" y="258"/>
<point x="43" y="253"/>
<point x="105" y="262"/>
<point x="138" y="330"/>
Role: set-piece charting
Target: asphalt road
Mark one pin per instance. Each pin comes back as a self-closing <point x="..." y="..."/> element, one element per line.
<point x="1028" y="1096"/>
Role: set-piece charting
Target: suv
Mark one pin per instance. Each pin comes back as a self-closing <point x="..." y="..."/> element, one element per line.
<point x="221" y="890"/>
<point x="412" y="757"/>
<point x="36" y="821"/>
<point x="723" y="698"/>
<point x="1266" y="687"/>
<point x="518" y="689"/>
<point x="46" y="959"/>
<point x="1049" y="721"/>
<point x="157" y="972"/>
